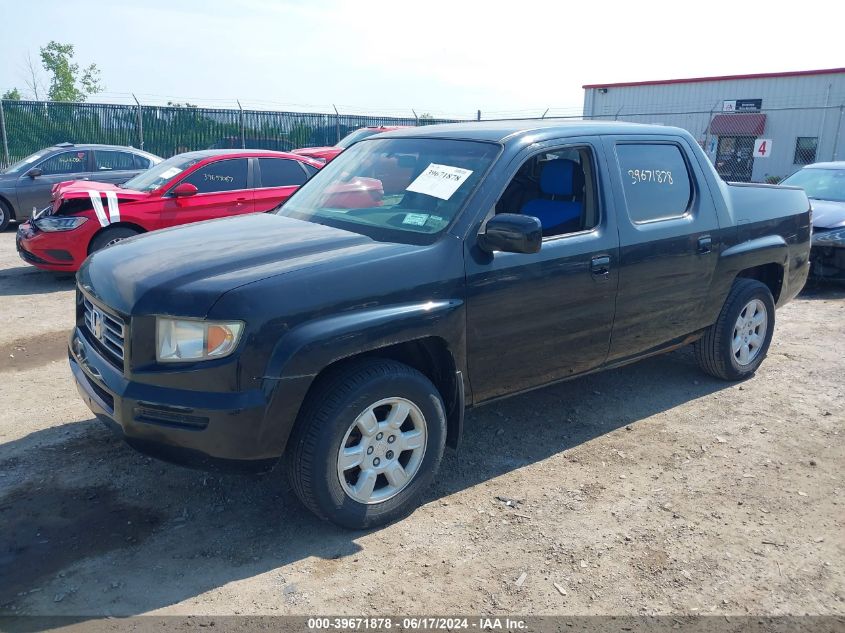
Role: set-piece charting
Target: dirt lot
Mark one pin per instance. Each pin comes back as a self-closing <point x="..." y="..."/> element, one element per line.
<point x="651" y="489"/>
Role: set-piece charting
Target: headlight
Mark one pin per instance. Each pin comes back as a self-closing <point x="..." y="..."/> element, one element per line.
<point x="180" y="340"/>
<point x="53" y="223"/>
<point x="830" y="238"/>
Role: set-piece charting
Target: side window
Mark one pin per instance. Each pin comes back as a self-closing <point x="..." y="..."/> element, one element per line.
<point x="280" y="172"/>
<point x="105" y="160"/>
<point x="222" y="175"/>
<point x="655" y="180"/>
<point x="558" y="187"/>
<point x="141" y="162"/>
<point x="309" y="170"/>
<point x="65" y="163"/>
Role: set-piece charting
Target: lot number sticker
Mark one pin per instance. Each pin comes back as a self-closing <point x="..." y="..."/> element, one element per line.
<point x="762" y="147"/>
<point x="439" y="181"/>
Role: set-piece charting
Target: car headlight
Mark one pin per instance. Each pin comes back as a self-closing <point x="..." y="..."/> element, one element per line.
<point x="830" y="238"/>
<point x="56" y="223"/>
<point x="181" y="340"/>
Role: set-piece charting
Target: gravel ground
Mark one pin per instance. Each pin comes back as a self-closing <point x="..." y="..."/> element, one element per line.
<point x="649" y="489"/>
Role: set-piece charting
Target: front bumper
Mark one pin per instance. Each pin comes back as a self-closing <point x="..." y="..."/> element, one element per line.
<point x="209" y="430"/>
<point x="827" y="261"/>
<point x="61" y="251"/>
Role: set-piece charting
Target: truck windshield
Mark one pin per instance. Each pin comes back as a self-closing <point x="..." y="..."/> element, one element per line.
<point x="820" y="184"/>
<point x="160" y="174"/>
<point x="404" y="189"/>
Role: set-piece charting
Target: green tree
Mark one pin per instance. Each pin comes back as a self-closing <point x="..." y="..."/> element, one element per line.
<point x="11" y="95"/>
<point x="68" y="82"/>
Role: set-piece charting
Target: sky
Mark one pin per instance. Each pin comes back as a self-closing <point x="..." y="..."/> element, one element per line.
<point x="446" y="58"/>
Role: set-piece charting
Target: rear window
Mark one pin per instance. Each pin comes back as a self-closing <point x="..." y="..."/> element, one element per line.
<point x="655" y="180"/>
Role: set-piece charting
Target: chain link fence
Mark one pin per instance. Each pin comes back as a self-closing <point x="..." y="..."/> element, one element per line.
<point x="27" y="126"/>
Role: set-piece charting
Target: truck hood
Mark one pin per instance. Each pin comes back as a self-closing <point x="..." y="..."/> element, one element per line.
<point x="82" y="189"/>
<point x="184" y="270"/>
<point x="828" y="214"/>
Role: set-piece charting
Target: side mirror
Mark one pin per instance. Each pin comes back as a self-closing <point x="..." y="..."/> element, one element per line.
<point x="184" y="189"/>
<point x="35" y="172"/>
<point x="512" y="233"/>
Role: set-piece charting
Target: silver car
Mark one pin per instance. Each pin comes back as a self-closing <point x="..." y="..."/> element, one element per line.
<point x="825" y="186"/>
<point x="25" y="186"/>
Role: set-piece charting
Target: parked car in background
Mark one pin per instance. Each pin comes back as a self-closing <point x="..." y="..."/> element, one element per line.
<point x="86" y="216"/>
<point x="825" y="186"/>
<point x="26" y="185"/>
<point x="349" y="330"/>
<point x="325" y="154"/>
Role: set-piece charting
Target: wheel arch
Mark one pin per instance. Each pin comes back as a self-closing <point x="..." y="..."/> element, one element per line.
<point x="771" y="275"/>
<point x="122" y="223"/>
<point x="432" y="357"/>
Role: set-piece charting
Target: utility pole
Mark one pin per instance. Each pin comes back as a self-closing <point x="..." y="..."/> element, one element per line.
<point x="478" y="118"/>
<point x="140" y="124"/>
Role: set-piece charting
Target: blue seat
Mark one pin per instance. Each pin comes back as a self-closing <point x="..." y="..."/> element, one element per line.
<point x="558" y="179"/>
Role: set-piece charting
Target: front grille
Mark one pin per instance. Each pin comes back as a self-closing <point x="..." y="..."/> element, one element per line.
<point x="107" y="329"/>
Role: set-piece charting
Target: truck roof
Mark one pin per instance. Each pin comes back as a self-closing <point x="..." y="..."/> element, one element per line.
<point x="501" y="131"/>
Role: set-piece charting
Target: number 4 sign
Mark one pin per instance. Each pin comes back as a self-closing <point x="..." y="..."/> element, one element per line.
<point x="762" y="147"/>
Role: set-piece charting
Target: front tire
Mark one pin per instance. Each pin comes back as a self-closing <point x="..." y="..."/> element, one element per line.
<point x="367" y="443"/>
<point x="110" y="236"/>
<point x="5" y="215"/>
<point x="736" y="344"/>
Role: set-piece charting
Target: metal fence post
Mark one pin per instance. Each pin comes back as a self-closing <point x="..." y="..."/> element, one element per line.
<point x="140" y="124"/>
<point x="243" y="132"/>
<point x="6" y="159"/>
<point x="336" y="123"/>
<point x="838" y="130"/>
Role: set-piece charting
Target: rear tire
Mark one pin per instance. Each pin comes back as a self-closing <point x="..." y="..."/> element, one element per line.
<point x="5" y="215"/>
<point x="110" y="236"/>
<point x="375" y="422"/>
<point x="735" y="345"/>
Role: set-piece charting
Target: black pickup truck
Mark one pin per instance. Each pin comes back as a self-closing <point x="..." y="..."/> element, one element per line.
<point x="422" y="272"/>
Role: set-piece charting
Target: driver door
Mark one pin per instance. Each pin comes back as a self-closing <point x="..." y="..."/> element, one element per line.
<point x="223" y="190"/>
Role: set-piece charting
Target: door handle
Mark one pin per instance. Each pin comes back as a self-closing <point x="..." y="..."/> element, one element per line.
<point x="600" y="266"/>
<point x="705" y="244"/>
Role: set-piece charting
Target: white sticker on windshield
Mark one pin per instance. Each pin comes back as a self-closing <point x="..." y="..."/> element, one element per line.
<point x="169" y="173"/>
<point x="439" y="181"/>
<point x="417" y="219"/>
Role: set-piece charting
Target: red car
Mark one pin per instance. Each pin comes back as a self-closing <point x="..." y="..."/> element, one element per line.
<point x="325" y="154"/>
<point x="85" y="216"/>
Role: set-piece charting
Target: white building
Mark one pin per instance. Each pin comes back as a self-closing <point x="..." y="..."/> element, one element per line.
<point x="753" y="127"/>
